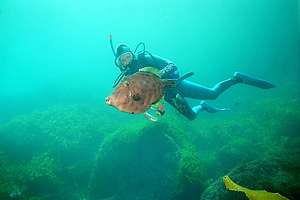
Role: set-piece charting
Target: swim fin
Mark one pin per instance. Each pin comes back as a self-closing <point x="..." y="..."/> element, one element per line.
<point x="208" y="108"/>
<point x="249" y="80"/>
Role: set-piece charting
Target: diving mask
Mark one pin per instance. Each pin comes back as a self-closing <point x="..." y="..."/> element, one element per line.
<point x="124" y="59"/>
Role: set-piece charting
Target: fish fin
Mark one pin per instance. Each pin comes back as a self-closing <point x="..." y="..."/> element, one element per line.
<point x="155" y="102"/>
<point x="150" y="117"/>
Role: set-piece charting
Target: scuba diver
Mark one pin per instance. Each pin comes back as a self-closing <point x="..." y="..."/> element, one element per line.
<point x="129" y="62"/>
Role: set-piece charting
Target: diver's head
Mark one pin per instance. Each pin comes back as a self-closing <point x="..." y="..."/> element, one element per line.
<point x="124" y="56"/>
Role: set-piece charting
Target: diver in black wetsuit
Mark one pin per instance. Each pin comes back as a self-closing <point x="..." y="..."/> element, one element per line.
<point x="130" y="62"/>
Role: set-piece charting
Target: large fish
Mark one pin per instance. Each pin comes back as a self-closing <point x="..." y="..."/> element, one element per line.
<point x="137" y="92"/>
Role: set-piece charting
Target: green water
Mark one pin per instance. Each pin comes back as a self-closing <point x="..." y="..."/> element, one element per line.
<point x="58" y="139"/>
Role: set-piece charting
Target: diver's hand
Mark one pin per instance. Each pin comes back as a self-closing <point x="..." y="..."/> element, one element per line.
<point x="167" y="70"/>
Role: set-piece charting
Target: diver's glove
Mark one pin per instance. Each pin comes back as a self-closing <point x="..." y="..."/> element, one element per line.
<point x="167" y="70"/>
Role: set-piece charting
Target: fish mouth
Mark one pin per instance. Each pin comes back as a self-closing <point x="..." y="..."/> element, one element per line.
<point x="108" y="101"/>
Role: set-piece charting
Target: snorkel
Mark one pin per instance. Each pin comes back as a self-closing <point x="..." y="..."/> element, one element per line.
<point x="123" y="70"/>
<point x="111" y="44"/>
<point x="114" y="51"/>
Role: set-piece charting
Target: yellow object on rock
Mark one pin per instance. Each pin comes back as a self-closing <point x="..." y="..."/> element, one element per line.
<point x="252" y="194"/>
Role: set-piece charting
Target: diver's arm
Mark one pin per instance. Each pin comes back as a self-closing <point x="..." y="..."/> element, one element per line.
<point x="167" y="68"/>
<point x="169" y="71"/>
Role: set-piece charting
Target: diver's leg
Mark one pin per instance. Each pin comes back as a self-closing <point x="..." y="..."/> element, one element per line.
<point x="182" y="106"/>
<point x="197" y="91"/>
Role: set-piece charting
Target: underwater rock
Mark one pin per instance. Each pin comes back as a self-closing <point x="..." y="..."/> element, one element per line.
<point x="237" y="151"/>
<point x="132" y="163"/>
<point x="146" y="162"/>
<point x="62" y="130"/>
<point x="275" y="174"/>
<point x="283" y="115"/>
<point x="217" y="191"/>
<point x="37" y="177"/>
<point x="47" y="148"/>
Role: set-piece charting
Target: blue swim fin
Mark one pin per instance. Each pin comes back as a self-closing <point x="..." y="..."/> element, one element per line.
<point x="208" y="108"/>
<point x="249" y="80"/>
